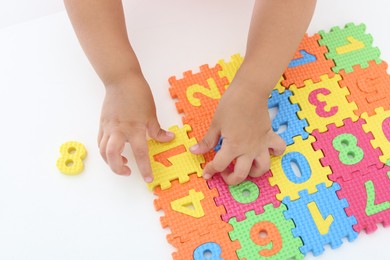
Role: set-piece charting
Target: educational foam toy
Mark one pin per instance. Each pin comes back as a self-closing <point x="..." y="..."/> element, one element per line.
<point x="332" y="110"/>
<point x="72" y="156"/>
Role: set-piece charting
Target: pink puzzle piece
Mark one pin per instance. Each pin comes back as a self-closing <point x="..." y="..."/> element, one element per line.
<point x="369" y="199"/>
<point x="345" y="157"/>
<point x="252" y="194"/>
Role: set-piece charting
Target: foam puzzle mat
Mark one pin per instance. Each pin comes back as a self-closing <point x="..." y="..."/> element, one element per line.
<point x="333" y="101"/>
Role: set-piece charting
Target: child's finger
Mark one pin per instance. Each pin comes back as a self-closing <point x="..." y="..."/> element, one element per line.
<point x="261" y="165"/>
<point x="277" y="146"/>
<point x="102" y="147"/>
<point x="220" y="162"/>
<point x="241" y="170"/>
<point x="157" y="133"/>
<point x="208" y="142"/>
<point x="114" y="151"/>
<point x="140" y="149"/>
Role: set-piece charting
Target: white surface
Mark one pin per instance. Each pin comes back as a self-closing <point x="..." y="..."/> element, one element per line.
<point x="49" y="94"/>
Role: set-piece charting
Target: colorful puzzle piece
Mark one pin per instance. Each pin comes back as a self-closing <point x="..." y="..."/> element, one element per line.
<point x="173" y="160"/>
<point x="337" y="128"/>
<point x="266" y="235"/>
<point x="252" y="194"/>
<point x="320" y="219"/>
<point x="302" y="154"/>
<point x="369" y="199"/>
<point x="189" y="209"/>
<point x="349" y="46"/>
<point x="347" y="150"/>
<point x="323" y="103"/>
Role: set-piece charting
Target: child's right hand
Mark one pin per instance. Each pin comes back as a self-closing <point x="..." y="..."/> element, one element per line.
<point x="129" y="115"/>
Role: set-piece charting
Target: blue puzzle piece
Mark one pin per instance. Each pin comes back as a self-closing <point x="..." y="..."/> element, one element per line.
<point x="287" y="115"/>
<point x="219" y="145"/>
<point x="331" y="210"/>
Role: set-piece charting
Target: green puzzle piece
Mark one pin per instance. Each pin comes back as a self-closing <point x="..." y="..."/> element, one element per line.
<point x="349" y="47"/>
<point x="266" y="235"/>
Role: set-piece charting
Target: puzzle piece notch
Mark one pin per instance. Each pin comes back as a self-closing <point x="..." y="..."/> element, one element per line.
<point x="379" y="126"/>
<point x="369" y="199"/>
<point x="322" y="230"/>
<point x="320" y="103"/>
<point x="186" y="223"/>
<point x="252" y="194"/>
<point x="308" y="161"/>
<point x="342" y="155"/>
<point x="266" y="235"/>
<point x="309" y="63"/>
<point x="368" y="87"/>
<point x="180" y="165"/>
<point x="349" y="46"/>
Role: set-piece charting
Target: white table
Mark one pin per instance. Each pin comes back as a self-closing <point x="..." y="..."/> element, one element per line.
<point x="49" y="94"/>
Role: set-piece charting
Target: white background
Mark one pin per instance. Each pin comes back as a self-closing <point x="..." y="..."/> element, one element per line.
<point x="49" y="94"/>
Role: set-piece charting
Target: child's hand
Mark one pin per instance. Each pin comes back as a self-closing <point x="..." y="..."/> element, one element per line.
<point x="128" y="115"/>
<point x="243" y="121"/>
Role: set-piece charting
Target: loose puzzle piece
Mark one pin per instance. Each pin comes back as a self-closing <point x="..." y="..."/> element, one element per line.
<point x="198" y="94"/>
<point x="215" y="245"/>
<point x="369" y="199"/>
<point x="320" y="219"/>
<point x="369" y="87"/>
<point x="72" y="156"/>
<point x="323" y="103"/>
<point x="309" y="62"/>
<point x="252" y="194"/>
<point x="267" y="235"/>
<point x="347" y="150"/>
<point x="302" y="154"/>
<point x="349" y="46"/>
<point x="287" y="116"/>
<point x="173" y="160"/>
<point x="379" y="126"/>
<point x="189" y="209"/>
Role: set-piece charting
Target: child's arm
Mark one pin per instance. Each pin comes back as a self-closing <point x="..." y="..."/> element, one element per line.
<point x="242" y="118"/>
<point x="128" y="112"/>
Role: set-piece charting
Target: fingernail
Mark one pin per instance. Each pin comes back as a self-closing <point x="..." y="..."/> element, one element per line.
<point x="194" y="148"/>
<point x="148" y="179"/>
<point x="170" y="134"/>
<point x="206" y="176"/>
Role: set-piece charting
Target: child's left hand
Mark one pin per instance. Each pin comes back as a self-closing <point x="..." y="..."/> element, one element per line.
<point x="243" y="121"/>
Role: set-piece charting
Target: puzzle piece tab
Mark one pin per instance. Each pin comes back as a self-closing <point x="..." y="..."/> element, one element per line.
<point x="266" y="235"/>
<point x="320" y="219"/>
<point x="173" y="160"/>
<point x="230" y="68"/>
<point x="349" y="46"/>
<point x="302" y="154"/>
<point x="369" y="199"/>
<point x="323" y="103"/>
<point x="252" y="194"/>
